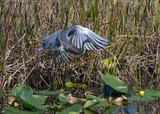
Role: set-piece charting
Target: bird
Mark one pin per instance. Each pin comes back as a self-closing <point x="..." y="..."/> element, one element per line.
<point x="81" y="37"/>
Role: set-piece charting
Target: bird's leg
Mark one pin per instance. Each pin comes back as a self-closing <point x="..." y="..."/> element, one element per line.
<point x="37" y="58"/>
<point x="53" y="68"/>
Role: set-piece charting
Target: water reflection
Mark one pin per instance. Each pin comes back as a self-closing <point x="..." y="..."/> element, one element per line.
<point x="132" y="107"/>
<point x="141" y="108"/>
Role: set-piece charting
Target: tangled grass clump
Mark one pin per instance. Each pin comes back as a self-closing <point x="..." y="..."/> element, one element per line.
<point x="132" y="27"/>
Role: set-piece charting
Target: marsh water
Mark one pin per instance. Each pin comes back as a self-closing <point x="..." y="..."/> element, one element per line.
<point x="141" y="108"/>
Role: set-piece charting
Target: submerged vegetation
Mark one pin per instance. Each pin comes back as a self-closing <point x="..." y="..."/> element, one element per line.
<point x="132" y="56"/>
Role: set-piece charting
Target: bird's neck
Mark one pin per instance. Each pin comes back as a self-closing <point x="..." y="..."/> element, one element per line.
<point x="78" y="52"/>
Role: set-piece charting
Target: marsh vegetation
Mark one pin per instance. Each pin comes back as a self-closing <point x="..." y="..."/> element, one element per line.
<point x="133" y="54"/>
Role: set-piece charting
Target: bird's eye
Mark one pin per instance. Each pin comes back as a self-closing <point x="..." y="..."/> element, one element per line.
<point x="91" y="41"/>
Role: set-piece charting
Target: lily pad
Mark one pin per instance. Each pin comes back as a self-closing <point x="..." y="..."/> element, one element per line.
<point x="77" y="108"/>
<point x="99" y="105"/>
<point x="89" y="103"/>
<point x="54" y="108"/>
<point x="115" y="83"/>
<point x="152" y="92"/>
<point x="111" y="109"/>
<point x="25" y="95"/>
<point x="32" y="100"/>
<point x="12" y="110"/>
<point x="94" y="98"/>
<point x="63" y="98"/>
<point x="17" y="91"/>
<point x="140" y="98"/>
<point x="149" y="94"/>
<point x="87" y="111"/>
<point x="94" y="102"/>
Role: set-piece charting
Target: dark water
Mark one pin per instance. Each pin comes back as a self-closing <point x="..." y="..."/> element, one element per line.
<point x="135" y="108"/>
<point x="149" y="107"/>
<point x="138" y="108"/>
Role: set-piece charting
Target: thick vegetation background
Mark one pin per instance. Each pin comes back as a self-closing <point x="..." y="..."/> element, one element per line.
<point x="131" y="26"/>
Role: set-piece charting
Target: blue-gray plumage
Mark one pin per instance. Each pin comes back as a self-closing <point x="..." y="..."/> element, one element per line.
<point x="80" y="36"/>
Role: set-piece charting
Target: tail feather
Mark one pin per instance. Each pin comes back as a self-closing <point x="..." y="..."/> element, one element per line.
<point x="40" y="48"/>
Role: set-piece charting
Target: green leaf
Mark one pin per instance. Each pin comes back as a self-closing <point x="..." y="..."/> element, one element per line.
<point x="98" y="105"/>
<point x="111" y="109"/>
<point x="74" y="108"/>
<point x="89" y="103"/>
<point x="149" y="94"/>
<point x="51" y="92"/>
<point x="109" y="63"/>
<point x="115" y="83"/>
<point x="63" y="98"/>
<point x="152" y="92"/>
<point x="16" y="92"/>
<point x="32" y="100"/>
<point x="12" y="110"/>
<point x="25" y="95"/>
<point x="94" y="102"/>
<point x="140" y="98"/>
<point x="87" y="111"/>
<point x="69" y="84"/>
<point x="1" y="95"/>
<point x="96" y="99"/>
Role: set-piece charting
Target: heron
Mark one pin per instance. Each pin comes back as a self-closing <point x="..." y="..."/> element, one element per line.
<point x="81" y="37"/>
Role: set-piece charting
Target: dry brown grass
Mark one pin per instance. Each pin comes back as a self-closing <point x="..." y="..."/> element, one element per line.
<point x="132" y="27"/>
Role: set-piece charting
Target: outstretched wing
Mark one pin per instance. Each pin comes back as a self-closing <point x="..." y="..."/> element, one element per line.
<point x="50" y="41"/>
<point x="53" y="43"/>
<point x="77" y="34"/>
